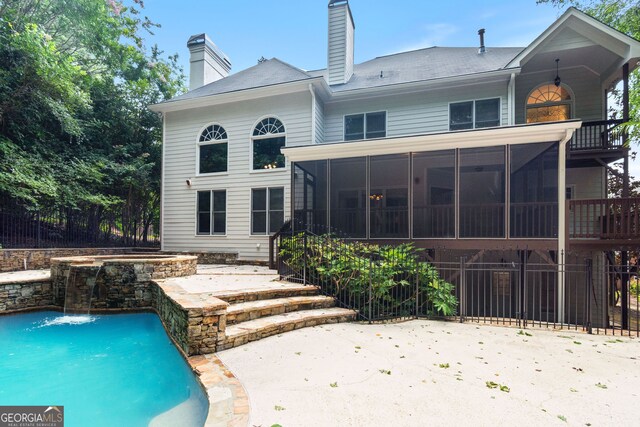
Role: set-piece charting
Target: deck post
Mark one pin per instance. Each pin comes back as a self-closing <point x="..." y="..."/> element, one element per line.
<point x="562" y="220"/>
<point x="624" y="257"/>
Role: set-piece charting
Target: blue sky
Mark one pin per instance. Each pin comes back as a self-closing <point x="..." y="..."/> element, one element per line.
<point x="295" y="31"/>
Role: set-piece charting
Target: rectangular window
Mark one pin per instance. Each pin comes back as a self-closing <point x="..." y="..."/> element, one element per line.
<point x="461" y="115"/>
<point x="213" y="158"/>
<point x="478" y="114"/>
<point x="266" y="153"/>
<point x="204" y="212"/>
<point x="212" y="212"/>
<point x="488" y="113"/>
<point x="482" y="192"/>
<point x="366" y="125"/>
<point x="267" y="210"/>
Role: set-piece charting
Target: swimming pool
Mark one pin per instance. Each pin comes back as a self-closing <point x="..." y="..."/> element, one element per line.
<point x="105" y="370"/>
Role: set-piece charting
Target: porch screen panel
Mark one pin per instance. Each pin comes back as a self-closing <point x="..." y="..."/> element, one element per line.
<point x="389" y="196"/>
<point x="533" y="206"/>
<point x="482" y="192"/>
<point x="310" y="186"/>
<point x="348" y="190"/>
<point x="434" y="186"/>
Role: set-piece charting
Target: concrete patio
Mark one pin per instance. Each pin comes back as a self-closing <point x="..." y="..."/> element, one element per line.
<point x="438" y="373"/>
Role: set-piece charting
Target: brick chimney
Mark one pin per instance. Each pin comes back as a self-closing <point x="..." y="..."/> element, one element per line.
<point x="207" y="63"/>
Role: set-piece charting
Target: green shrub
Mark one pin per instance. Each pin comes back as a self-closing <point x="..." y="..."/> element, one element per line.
<point x="378" y="280"/>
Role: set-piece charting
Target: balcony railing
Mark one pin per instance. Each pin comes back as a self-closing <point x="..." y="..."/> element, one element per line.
<point x="599" y="135"/>
<point x="604" y="219"/>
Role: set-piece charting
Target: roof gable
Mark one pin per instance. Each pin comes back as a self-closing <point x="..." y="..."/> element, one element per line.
<point x="576" y="29"/>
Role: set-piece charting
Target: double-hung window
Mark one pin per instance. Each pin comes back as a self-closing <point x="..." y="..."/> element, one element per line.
<point x="477" y="114"/>
<point x="267" y="210"/>
<point x="365" y="126"/>
<point x="212" y="150"/>
<point x="211" y="213"/>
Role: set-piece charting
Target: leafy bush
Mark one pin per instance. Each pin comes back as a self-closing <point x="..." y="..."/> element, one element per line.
<point x="379" y="281"/>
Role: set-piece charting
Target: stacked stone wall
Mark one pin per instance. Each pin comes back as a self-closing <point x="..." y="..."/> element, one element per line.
<point x="211" y="257"/>
<point x="25" y="295"/>
<point x="37" y="259"/>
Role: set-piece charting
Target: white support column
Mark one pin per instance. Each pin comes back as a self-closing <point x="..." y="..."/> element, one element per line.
<point x="562" y="231"/>
<point x="511" y="96"/>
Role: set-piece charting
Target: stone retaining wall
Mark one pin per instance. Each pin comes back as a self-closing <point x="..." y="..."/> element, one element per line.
<point x="197" y="323"/>
<point x="119" y="282"/>
<point x="210" y="257"/>
<point x="24" y="295"/>
<point x="37" y="259"/>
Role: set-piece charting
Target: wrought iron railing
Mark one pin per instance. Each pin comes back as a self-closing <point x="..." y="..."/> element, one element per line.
<point x="519" y="288"/>
<point x="71" y="228"/>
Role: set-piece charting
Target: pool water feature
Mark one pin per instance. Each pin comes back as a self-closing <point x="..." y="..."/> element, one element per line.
<point x="80" y="287"/>
<point x="106" y="370"/>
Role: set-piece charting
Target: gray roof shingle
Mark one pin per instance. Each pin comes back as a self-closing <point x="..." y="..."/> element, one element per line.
<point x="266" y="73"/>
<point x="417" y="65"/>
<point x="425" y="64"/>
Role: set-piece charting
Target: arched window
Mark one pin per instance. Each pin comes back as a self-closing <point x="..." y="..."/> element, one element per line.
<point x="212" y="150"/>
<point x="267" y="139"/>
<point x="549" y="103"/>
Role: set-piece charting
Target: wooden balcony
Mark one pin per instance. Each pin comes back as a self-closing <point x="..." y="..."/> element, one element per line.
<point x="604" y="223"/>
<point x="603" y="140"/>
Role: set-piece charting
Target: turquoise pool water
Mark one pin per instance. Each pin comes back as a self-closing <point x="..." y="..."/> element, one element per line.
<point x="111" y="370"/>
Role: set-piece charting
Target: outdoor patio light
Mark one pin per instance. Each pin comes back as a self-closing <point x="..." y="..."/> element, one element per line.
<point x="557" y="81"/>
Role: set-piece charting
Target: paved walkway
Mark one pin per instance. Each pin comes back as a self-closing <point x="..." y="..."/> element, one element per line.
<point x="438" y="373"/>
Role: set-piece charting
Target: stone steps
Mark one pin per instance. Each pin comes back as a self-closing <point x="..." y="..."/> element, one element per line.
<point x="278" y="290"/>
<point x="263" y="327"/>
<point x="252" y="310"/>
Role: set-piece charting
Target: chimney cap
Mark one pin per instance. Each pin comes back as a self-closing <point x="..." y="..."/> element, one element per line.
<point x="203" y="39"/>
<point x="197" y="39"/>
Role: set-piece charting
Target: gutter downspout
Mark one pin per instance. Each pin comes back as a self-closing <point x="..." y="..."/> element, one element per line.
<point x="313" y="114"/>
<point x="511" y="94"/>
<point x="562" y="222"/>
<point x="162" y="169"/>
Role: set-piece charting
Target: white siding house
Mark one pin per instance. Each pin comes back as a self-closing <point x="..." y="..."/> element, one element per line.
<point x="221" y="194"/>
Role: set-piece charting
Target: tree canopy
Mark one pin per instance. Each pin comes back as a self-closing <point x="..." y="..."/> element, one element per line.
<point x="75" y="81"/>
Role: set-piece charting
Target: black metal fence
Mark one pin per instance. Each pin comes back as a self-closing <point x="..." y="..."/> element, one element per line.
<point x="33" y="228"/>
<point x="519" y="288"/>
